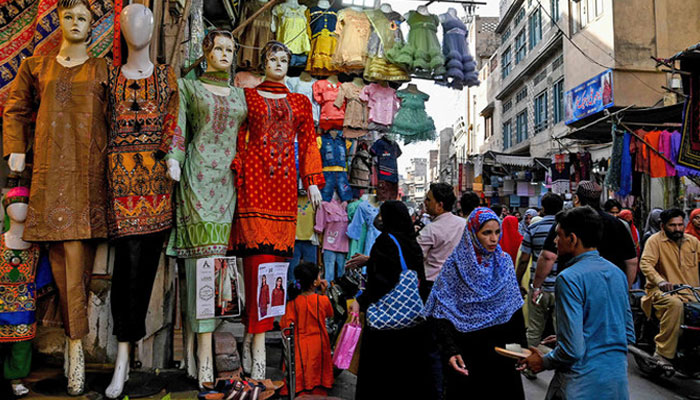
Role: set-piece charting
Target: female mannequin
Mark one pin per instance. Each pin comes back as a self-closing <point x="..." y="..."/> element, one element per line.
<point x="143" y="114"/>
<point x="265" y="222"/>
<point x="211" y="112"/>
<point x="18" y="270"/>
<point x="68" y="197"/>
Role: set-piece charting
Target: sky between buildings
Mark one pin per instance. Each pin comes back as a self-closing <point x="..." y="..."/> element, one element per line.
<point x="445" y="105"/>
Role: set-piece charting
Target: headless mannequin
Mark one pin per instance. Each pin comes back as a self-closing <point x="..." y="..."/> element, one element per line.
<point x="386" y="8"/>
<point x="333" y="79"/>
<point x="450" y="11"/>
<point x="359" y="82"/>
<point x="73" y="52"/>
<point x="17" y="212"/>
<point x="423" y="10"/>
<point x="254" y="352"/>
<point x="324" y="4"/>
<point x="412" y="88"/>
<point x="137" y="28"/>
<point x="305" y="76"/>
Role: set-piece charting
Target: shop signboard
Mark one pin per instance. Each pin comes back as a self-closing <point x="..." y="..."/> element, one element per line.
<point x="590" y="97"/>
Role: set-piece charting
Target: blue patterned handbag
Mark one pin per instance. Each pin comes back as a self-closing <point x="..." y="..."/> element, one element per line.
<point x="402" y="307"/>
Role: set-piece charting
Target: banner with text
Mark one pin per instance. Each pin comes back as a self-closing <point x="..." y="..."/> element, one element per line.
<point x="596" y="94"/>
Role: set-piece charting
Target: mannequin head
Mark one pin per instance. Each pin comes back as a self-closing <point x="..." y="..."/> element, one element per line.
<point x="219" y="49"/>
<point x="274" y="60"/>
<point x="452" y="12"/>
<point x="16" y="203"/>
<point x="137" y="25"/>
<point x="75" y="20"/>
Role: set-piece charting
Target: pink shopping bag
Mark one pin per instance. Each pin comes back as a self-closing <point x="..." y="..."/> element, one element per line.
<point x="349" y="337"/>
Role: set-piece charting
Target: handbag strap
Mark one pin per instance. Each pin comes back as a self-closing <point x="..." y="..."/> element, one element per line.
<point x="403" y="262"/>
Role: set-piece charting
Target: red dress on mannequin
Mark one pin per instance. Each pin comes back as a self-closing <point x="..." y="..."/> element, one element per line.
<point x="266" y="214"/>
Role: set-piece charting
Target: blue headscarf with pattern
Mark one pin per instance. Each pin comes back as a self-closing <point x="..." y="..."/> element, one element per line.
<point x="476" y="288"/>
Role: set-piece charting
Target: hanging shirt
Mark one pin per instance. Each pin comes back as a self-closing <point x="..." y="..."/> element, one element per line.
<point x="657" y="165"/>
<point x="641" y="151"/>
<point x="297" y="85"/>
<point x="626" y="168"/>
<point x="332" y="221"/>
<point x="363" y="224"/>
<point x="665" y="149"/>
<point x="681" y="170"/>
<point x="382" y="101"/>
<point x="325" y="93"/>
<point x="387" y="152"/>
<point x="305" y="219"/>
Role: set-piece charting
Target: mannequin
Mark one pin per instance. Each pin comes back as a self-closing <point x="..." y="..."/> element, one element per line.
<point x="452" y="12"/>
<point x="211" y="112"/>
<point x="412" y="88"/>
<point x="66" y="209"/>
<point x="358" y="81"/>
<point x="386" y="8"/>
<point x="305" y="76"/>
<point x="324" y="4"/>
<point x="333" y="79"/>
<point x="267" y="186"/>
<point x="138" y="227"/>
<point x="17" y="258"/>
<point x="423" y="10"/>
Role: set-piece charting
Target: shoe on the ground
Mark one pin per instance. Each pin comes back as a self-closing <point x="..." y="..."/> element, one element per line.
<point x="662" y="361"/>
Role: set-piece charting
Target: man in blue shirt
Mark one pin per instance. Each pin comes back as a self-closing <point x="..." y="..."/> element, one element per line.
<point x="593" y="316"/>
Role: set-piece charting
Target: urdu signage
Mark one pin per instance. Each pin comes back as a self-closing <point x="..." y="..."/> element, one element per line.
<point x="596" y="94"/>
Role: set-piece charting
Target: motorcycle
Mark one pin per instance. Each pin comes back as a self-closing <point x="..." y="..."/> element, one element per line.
<point x="687" y="360"/>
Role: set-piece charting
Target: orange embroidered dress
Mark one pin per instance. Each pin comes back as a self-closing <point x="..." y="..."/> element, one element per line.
<point x="266" y="172"/>
<point x="143" y="126"/>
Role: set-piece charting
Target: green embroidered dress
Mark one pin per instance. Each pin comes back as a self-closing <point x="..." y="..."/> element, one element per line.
<point x="205" y="198"/>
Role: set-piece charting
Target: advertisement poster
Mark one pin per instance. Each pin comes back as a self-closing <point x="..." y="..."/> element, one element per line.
<point x="272" y="289"/>
<point x="596" y="94"/>
<point x="217" y="288"/>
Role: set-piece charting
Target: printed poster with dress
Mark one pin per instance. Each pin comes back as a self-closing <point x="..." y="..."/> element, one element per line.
<point x="218" y="294"/>
<point x="272" y="296"/>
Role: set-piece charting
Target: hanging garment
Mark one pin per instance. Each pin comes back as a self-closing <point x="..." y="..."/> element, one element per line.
<point x="255" y="35"/>
<point x="411" y="121"/>
<point x="325" y="94"/>
<point x="641" y="152"/>
<point x="306" y="217"/>
<point x="321" y="25"/>
<point x="356" y="112"/>
<point x="298" y="85"/>
<point x="143" y="125"/>
<point x="461" y="67"/>
<point x="561" y="172"/>
<point x="332" y="222"/>
<point x="387" y="152"/>
<point x="422" y="53"/>
<point x="362" y="225"/>
<point x="681" y="168"/>
<point x="206" y="196"/>
<point x="68" y="188"/>
<point x="625" y="168"/>
<point x="586" y="165"/>
<point x="665" y="149"/>
<point x="612" y="178"/>
<point x="291" y="25"/>
<point x="383" y="104"/>
<point x="360" y="169"/>
<point x="18" y="272"/>
<point x="353" y="33"/>
<point x="266" y="214"/>
<point x="386" y="32"/>
<point x="657" y="165"/>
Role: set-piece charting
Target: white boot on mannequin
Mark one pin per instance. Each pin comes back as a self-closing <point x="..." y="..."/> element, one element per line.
<point x="205" y="361"/>
<point x="259" y="354"/>
<point x="247" y="356"/>
<point x="75" y="367"/>
<point x="121" y="372"/>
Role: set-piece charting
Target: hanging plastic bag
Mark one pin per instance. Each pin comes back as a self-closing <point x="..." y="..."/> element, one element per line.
<point x="349" y="337"/>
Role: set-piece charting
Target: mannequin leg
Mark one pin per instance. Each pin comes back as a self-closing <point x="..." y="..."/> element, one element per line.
<point x="121" y="372"/>
<point x="247" y="357"/>
<point x="76" y="367"/>
<point x="17" y="364"/>
<point x="205" y="358"/>
<point x="259" y="357"/>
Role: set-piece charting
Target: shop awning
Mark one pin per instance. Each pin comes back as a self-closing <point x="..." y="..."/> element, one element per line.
<point x="494" y="158"/>
<point x="597" y="127"/>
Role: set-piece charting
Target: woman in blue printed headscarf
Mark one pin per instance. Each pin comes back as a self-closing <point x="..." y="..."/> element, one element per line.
<point x="477" y="305"/>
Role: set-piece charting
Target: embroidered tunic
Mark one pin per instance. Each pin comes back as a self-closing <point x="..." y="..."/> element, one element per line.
<point x="266" y="216"/>
<point x="143" y="123"/>
<point x="68" y="190"/>
<point x="205" y="198"/>
<point x="17" y="292"/>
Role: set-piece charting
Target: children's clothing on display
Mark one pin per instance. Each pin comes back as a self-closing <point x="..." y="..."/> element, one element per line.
<point x="385" y="34"/>
<point x="298" y="85"/>
<point x="255" y="35"/>
<point x="411" y="121"/>
<point x="143" y="126"/>
<point x="461" y="67"/>
<point x="324" y="41"/>
<point x="291" y="25"/>
<point x="325" y="94"/>
<point x="363" y="224"/>
<point x="306" y="217"/>
<point x="353" y="33"/>
<point x="333" y="264"/>
<point x="387" y="152"/>
<point x="360" y="168"/>
<point x="422" y="53"/>
<point x="356" y="245"/>
<point x="382" y="102"/>
<point x="332" y="221"/>
<point x="356" y="113"/>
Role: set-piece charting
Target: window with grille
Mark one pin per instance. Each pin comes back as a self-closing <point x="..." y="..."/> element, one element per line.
<point x="535" y="27"/>
<point x="519" y="16"/>
<point x="558" y="98"/>
<point x="541" y="112"/>
<point x="507" y="106"/>
<point x="521" y="127"/>
<point x="506" y="65"/>
<point x="507" y="134"/>
<point x="520" y="49"/>
<point x="522" y="95"/>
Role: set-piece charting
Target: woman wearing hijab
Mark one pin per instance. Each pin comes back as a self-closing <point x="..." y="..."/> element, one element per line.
<point x="626" y="215"/>
<point x="477" y="305"/>
<point x="511" y="237"/>
<point x="527" y="220"/>
<point x="394" y="364"/>
<point x="652" y="226"/>
<point x="693" y="227"/>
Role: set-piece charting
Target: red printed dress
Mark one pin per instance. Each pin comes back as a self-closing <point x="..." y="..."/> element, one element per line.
<point x="265" y="169"/>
